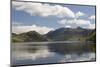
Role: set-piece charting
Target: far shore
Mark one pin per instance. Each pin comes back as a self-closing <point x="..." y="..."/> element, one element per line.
<point x="45" y="42"/>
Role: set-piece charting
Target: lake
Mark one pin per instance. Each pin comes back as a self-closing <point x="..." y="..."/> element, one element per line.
<point x="52" y="52"/>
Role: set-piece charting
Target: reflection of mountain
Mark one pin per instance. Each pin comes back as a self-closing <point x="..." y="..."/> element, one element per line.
<point x="60" y="34"/>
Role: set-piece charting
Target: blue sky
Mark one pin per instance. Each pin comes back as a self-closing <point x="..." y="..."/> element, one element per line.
<point x="43" y="17"/>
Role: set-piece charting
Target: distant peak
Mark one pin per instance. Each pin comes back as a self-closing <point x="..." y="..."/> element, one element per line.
<point x="79" y="27"/>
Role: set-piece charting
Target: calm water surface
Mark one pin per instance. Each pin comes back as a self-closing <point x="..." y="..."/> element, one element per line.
<point x="51" y="52"/>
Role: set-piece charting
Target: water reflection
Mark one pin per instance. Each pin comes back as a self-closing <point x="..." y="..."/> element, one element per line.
<point x="23" y="54"/>
<point x="68" y="48"/>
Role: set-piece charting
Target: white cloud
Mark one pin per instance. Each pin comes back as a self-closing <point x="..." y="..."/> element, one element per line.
<point x="92" y="26"/>
<point x="92" y="17"/>
<point x="79" y="14"/>
<point x="39" y="29"/>
<point x="43" y="10"/>
<point x="73" y="23"/>
<point x="16" y="23"/>
<point x="80" y="22"/>
<point x="67" y="26"/>
<point x="62" y="21"/>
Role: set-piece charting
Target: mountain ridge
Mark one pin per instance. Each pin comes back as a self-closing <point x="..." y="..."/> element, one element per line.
<point x="61" y="34"/>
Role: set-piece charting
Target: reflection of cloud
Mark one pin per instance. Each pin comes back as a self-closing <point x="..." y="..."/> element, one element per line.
<point x="76" y="57"/>
<point x="44" y="56"/>
<point x="77" y="22"/>
<point x="41" y="54"/>
<point x="43" y="10"/>
<point x="39" y="29"/>
<point x="33" y="56"/>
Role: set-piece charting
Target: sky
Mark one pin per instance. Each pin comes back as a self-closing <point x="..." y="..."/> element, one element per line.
<point x="45" y="17"/>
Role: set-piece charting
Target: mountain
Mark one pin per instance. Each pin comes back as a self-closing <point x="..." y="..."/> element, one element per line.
<point x="30" y="36"/>
<point x="62" y="34"/>
<point x="92" y="36"/>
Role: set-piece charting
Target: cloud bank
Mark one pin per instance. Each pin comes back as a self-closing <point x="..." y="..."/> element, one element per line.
<point x="73" y="23"/>
<point x="92" y="17"/>
<point x="39" y="29"/>
<point x="79" y="14"/>
<point x="43" y="10"/>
